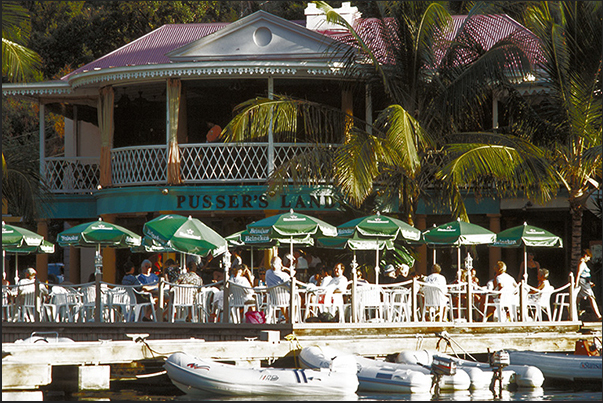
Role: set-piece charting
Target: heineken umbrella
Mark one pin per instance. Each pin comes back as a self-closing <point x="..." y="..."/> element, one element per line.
<point x="458" y="233"/>
<point x="291" y="225"/>
<point x="526" y="235"/>
<point x="44" y="247"/>
<point x="377" y="227"/>
<point x="17" y="237"/>
<point x="245" y="239"/>
<point x="185" y="234"/>
<point x="98" y="234"/>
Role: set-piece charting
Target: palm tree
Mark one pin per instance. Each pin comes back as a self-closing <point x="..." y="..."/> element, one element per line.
<point x="436" y="84"/>
<point x="18" y="62"/>
<point x="20" y="177"/>
<point x="568" y="127"/>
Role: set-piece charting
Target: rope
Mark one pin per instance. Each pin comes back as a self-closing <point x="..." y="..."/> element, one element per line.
<point x="445" y="336"/>
<point x="153" y="352"/>
<point x="294" y="347"/>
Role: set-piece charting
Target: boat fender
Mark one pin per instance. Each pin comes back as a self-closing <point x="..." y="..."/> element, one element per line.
<point x="423" y="357"/>
<point x="526" y="376"/>
<point x="344" y="363"/>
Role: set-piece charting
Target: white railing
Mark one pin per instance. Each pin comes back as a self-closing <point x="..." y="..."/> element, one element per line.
<point x="199" y="163"/>
<point x="72" y="174"/>
<point x="141" y="165"/>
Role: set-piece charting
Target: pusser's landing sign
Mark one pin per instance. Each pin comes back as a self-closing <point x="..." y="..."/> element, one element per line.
<point x="255" y="201"/>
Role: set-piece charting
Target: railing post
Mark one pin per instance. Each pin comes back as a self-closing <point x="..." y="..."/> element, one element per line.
<point x="414" y="288"/>
<point x="469" y="298"/>
<point x="161" y="300"/>
<point x="99" y="300"/>
<point x="522" y="301"/>
<point x="573" y="306"/>
<point x="37" y="301"/>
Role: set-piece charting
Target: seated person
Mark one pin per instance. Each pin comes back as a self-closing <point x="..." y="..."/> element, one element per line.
<point x="275" y="275"/>
<point x="338" y="282"/>
<point x="389" y="274"/>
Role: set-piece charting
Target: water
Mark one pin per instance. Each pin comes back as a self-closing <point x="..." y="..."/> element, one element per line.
<point x="163" y="391"/>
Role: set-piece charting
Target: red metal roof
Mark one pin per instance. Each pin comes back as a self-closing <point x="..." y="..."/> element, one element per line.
<point x="153" y="47"/>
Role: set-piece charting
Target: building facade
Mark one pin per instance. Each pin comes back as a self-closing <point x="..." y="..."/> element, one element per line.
<point x="137" y="122"/>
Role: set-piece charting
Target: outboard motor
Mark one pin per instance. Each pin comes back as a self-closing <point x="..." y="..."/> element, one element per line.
<point x="498" y="360"/>
<point x="441" y="366"/>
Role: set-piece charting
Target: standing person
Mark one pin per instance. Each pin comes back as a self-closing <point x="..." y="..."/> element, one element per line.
<point x="301" y="265"/>
<point x="214" y="133"/>
<point x="583" y="276"/>
<point x="533" y="268"/>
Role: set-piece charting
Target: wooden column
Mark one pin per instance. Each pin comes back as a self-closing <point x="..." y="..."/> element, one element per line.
<point x="109" y="266"/>
<point x="495" y="253"/>
<point x="421" y="264"/>
<point x="75" y="271"/>
<point x="42" y="258"/>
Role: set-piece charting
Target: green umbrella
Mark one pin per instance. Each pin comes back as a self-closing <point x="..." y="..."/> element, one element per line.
<point x="17" y="237"/>
<point x="457" y="233"/>
<point x="291" y="225"/>
<point x="372" y="232"/>
<point x="186" y="235"/>
<point x="379" y="226"/>
<point x="44" y="247"/>
<point x="98" y="234"/>
<point x="526" y="235"/>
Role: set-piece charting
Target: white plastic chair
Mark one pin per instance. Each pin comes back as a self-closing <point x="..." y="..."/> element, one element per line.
<point x="540" y="301"/>
<point x="26" y="303"/>
<point x="239" y="299"/>
<point x="120" y="304"/>
<point x="370" y="303"/>
<point x="182" y="302"/>
<point x="503" y="302"/>
<point x="8" y="305"/>
<point x="436" y="303"/>
<point x="562" y="301"/>
<point x="203" y="303"/>
<point x="399" y="304"/>
<point x="138" y="307"/>
<point x="279" y="301"/>
<point x="88" y="307"/>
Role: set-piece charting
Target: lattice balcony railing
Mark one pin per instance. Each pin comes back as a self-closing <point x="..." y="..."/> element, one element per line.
<point x="219" y="162"/>
<point x="72" y="174"/>
<point x="142" y="165"/>
<point x="199" y="163"/>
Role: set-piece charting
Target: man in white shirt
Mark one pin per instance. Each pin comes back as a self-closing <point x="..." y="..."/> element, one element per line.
<point x="338" y="282"/>
<point x="436" y="278"/>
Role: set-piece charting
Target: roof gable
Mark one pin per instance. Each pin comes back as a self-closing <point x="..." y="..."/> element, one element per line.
<point x="259" y="36"/>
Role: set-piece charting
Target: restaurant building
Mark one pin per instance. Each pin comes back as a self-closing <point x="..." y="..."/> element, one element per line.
<point x="137" y="119"/>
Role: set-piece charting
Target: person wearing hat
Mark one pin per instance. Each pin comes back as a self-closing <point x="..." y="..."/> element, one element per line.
<point x="389" y="274"/>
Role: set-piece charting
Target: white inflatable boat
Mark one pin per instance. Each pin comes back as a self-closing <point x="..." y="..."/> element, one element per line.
<point x="372" y="375"/>
<point x="561" y="366"/>
<point x="523" y="376"/>
<point x="196" y="376"/>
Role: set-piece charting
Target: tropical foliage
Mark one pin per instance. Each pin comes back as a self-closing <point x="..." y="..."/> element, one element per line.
<point x="437" y="84"/>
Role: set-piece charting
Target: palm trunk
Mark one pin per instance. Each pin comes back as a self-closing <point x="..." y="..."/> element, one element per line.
<point x="576" y="251"/>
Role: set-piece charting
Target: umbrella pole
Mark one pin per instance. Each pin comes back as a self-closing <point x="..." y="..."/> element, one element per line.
<point x="525" y="263"/>
<point x="377" y="269"/>
<point x="354" y="279"/>
<point x="16" y="268"/>
<point x="458" y="276"/>
<point x="293" y="292"/>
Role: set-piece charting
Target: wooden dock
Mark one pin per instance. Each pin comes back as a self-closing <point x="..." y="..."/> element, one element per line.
<point x="101" y="348"/>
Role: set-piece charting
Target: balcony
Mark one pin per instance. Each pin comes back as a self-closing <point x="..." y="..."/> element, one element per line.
<point x="203" y="163"/>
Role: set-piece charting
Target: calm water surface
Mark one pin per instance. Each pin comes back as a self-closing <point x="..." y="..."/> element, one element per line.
<point x="166" y="392"/>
